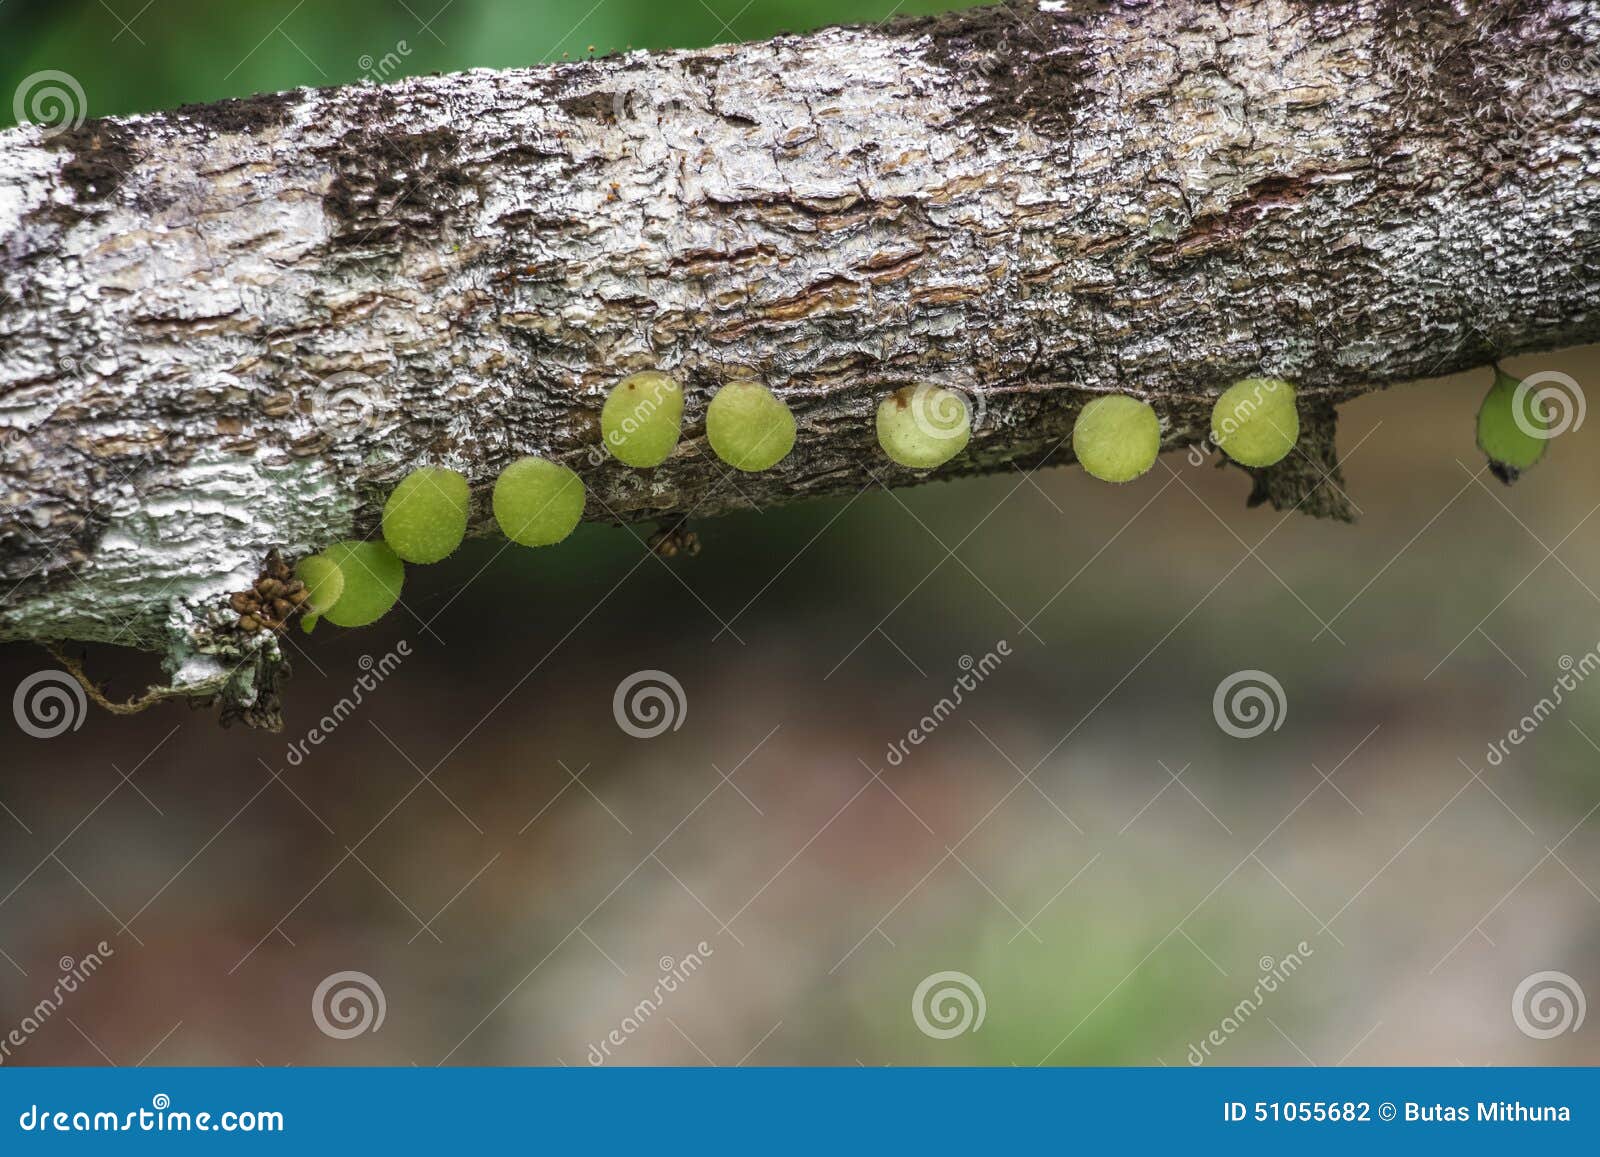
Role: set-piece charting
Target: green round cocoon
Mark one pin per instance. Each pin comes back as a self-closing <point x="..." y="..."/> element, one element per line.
<point x="537" y="502"/>
<point x="641" y="419"/>
<point x="1255" y="421"/>
<point x="749" y="427"/>
<point x="425" y="518"/>
<point x="373" y="575"/>
<point x="1504" y="439"/>
<point x="324" y="582"/>
<point x="1116" y="438"/>
<point x="924" y="425"/>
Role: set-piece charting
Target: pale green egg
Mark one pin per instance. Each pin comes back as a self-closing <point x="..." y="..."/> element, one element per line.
<point x="748" y="427"/>
<point x="373" y="576"/>
<point x="1510" y="428"/>
<point x="641" y="418"/>
<point x="1255" y="421"/>
<point x="537" y="502"/>
<point x="1116" y="438"/>
<point x="924" y="426"/>
<point x="425" y="518"/>
<point x="324" y="582"/>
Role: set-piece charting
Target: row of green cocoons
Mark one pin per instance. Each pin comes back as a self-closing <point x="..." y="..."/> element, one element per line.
<point x="538" y="502"/>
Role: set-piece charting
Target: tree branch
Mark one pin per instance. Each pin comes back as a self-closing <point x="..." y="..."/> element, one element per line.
<point x="228" y="329"/>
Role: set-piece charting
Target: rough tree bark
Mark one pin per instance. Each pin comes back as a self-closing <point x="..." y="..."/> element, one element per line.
<point x="228" y="329"/>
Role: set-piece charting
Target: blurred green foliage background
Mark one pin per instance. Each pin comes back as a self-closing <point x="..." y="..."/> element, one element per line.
<point x="135" y="56"/>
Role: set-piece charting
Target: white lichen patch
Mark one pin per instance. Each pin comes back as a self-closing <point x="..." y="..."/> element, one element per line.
<point x="182" y="539"/>
<point x="28" y="171"/>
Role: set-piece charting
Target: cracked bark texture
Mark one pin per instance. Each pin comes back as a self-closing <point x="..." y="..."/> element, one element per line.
<point x="230" y="328"/>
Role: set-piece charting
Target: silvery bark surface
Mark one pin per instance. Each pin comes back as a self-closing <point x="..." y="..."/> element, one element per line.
<point x="229" y="329"/>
